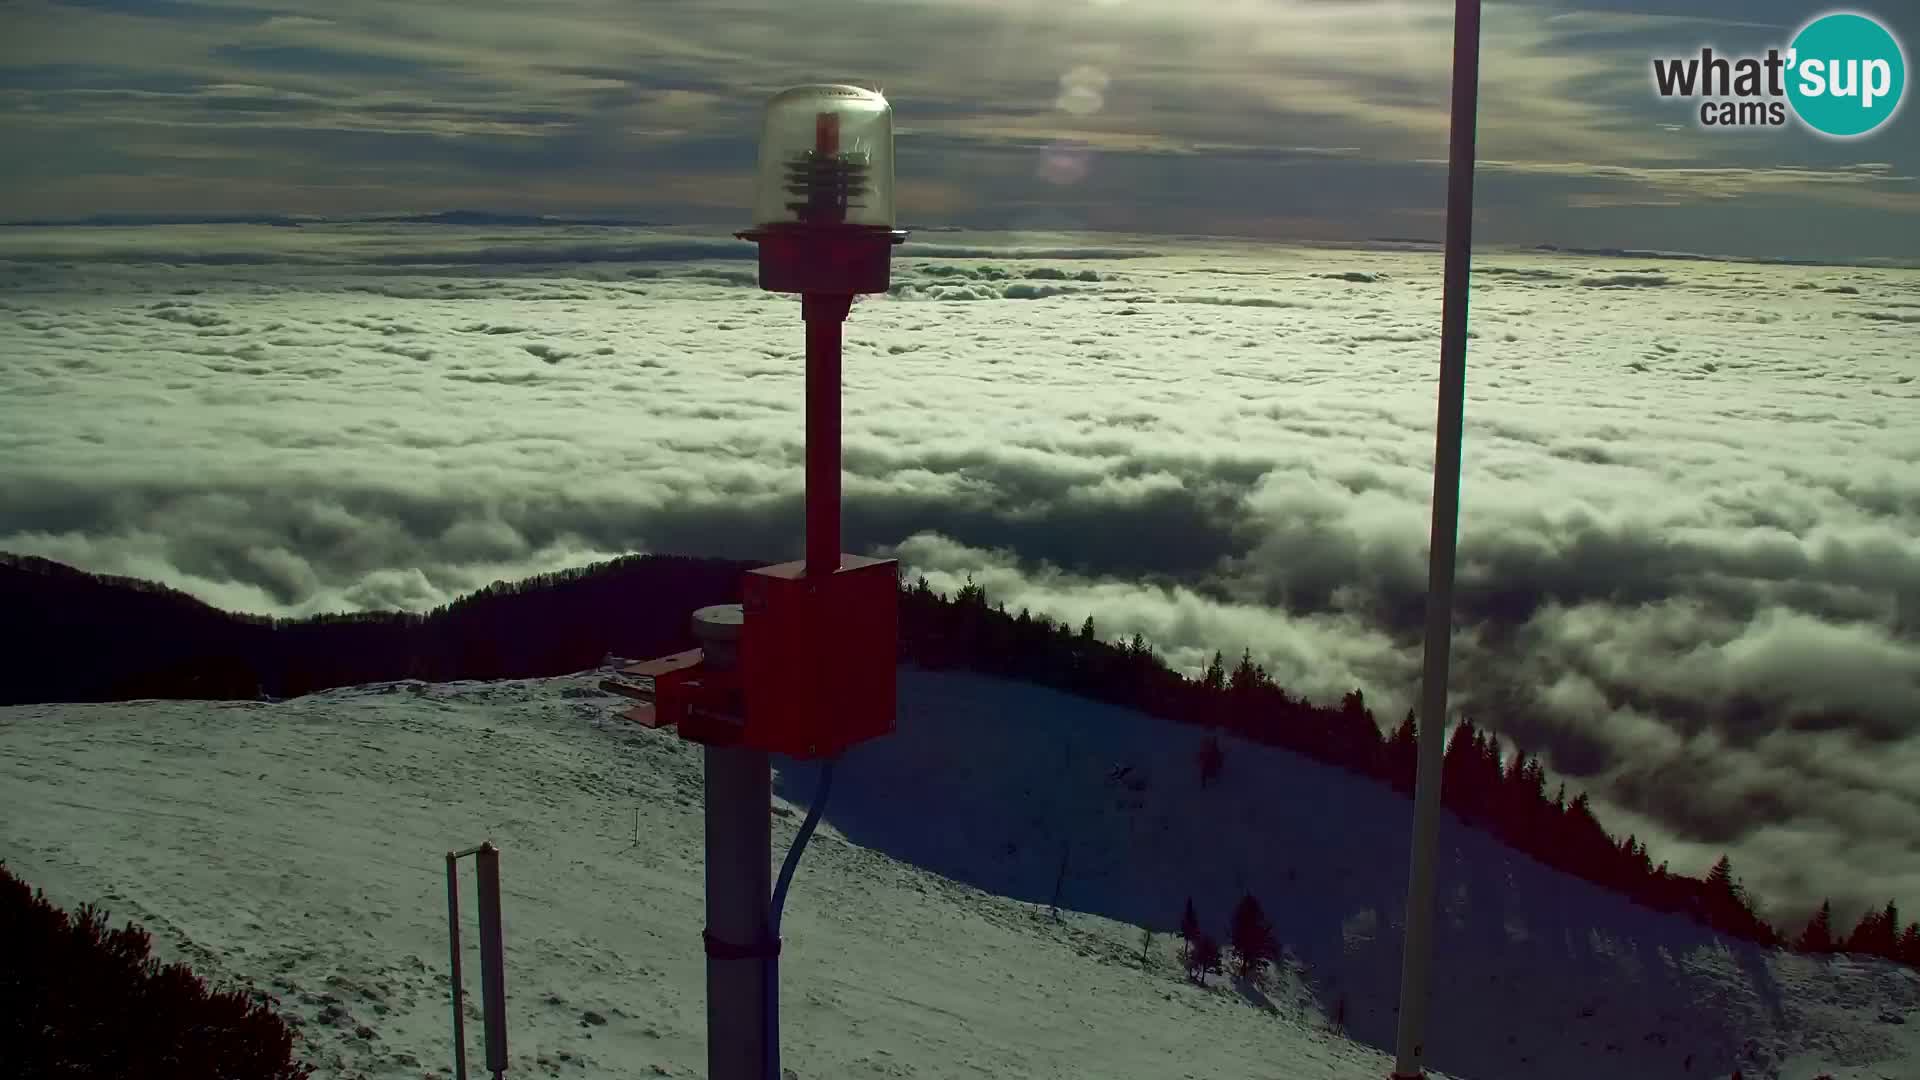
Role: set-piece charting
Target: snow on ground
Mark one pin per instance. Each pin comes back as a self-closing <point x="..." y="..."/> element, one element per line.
<point x="299" y="845"/>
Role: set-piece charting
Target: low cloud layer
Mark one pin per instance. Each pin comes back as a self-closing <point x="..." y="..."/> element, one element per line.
<point x="1687" y="571"/>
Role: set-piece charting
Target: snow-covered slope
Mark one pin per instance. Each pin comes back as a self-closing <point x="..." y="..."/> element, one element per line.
<point x="299" y="845"/>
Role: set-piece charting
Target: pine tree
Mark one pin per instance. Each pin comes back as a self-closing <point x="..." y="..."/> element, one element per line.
<point x="1458" y="785"/>
<point x="1247" y="675"/>
<point x="1726" y="901"/>
<point x="1721" y="879"/>
<point x="1909" y="951"/>
<point x="1403" y="754"/>
<point x="1086" y="629"/>
<point x="1215" y="678"/>
<point x="1354" y="703"/>
<point x="1252" y="938"/>
<point x="1462" y="741"/>
<point x="1818" y="936"/>
<point x="1516" y="766"/>
<point x="1189" y="931"/>
<point x="1877" y="934"/>
<point x="1409" y="730"/>
<point x="1203" y="959"/>
<point x="971" y="595"/>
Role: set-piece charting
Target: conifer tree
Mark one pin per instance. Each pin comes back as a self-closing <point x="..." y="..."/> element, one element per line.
<point x="1216" y="675"/>
<point x="1252" y="938"/>
<point x="1403" y="754"/>
<point x="1354" y="703"/>
<point x="1408" y="732"/>
<point x="1247" y="675"/>
<point x="1877" y="934"/>
<point x="1204" y="959"/>
<point x="1189" y="931"/>
<point x="1818" y="935"/>
<point x="1722" y="888"/>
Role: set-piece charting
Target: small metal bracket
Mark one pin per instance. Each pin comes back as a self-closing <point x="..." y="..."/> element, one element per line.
<point x="626" y="689"/>
<point x="715" y="727"/>
<point x="664" y="665"/>
<point x="695" y="690"/>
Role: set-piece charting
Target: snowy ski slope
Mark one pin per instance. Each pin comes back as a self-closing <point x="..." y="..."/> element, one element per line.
<point x="299" y="845"/>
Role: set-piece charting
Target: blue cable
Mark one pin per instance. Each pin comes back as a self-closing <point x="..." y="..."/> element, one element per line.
<point x="779" y="903"/>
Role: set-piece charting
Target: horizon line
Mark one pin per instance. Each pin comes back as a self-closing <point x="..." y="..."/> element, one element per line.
<point x="466" y="216"/>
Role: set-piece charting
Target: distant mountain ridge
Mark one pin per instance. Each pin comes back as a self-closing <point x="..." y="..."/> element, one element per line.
<point x="454" y="217"/>
<point x="441" y="217"/>
<point x="459" y="217"/>
<point x="85" y="637"/>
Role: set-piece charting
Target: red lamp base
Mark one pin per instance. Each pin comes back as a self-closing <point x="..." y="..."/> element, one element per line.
<point x="802" y="258"/>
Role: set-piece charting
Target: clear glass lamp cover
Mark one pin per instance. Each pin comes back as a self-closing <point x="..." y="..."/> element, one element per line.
<point x="826" y="157"/>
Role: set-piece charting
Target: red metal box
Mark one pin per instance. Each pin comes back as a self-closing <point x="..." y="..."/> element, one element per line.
<point x="818" y="656"/>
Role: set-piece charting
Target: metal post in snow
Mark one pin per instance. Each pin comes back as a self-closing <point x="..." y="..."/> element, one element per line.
<point x="493" y="958"/>
<point x="453" y="925"/>
<point x="739" y="854"/>
<point x="493" y="975"/>
<point x="1415" y="961"/>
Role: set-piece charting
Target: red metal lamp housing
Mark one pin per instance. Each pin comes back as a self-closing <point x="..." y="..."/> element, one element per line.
<point x="823" y="200"/>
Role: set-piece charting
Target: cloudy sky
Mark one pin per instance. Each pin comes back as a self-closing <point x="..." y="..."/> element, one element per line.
<point x="1274" y="118"/>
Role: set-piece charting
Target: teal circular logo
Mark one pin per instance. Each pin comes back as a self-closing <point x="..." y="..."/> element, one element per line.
<point x="1846" y="75"/>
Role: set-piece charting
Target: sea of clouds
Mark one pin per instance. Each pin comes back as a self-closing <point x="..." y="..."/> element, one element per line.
<point x="1688" y="569"/>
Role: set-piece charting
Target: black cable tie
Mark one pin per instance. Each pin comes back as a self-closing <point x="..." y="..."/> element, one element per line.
<point x="727" y="950"/>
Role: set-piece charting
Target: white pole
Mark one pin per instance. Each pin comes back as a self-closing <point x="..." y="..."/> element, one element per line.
<point x="1418" y="954"/>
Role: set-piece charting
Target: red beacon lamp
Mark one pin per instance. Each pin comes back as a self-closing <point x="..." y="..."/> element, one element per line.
<point x="818" y="639"/>
<point x="823" y="198"/>
<point x="805" y="666"/>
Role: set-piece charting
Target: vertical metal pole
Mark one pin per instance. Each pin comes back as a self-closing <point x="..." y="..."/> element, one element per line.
<point x="493" y="958"/>
<point x="739" y="798"/>
<point x="453" y="927"/>
<point x="824" y="313"/>
<point x="1417" y="957"/>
